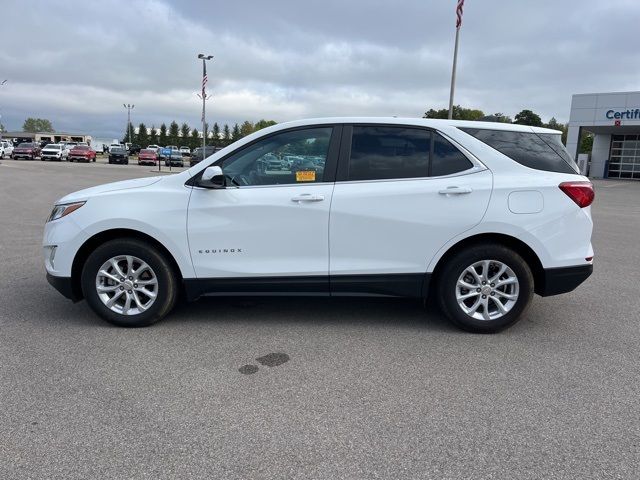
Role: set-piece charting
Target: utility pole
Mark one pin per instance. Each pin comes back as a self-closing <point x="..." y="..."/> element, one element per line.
<point x="203" y="96"/>
<point x="129" y="107"/>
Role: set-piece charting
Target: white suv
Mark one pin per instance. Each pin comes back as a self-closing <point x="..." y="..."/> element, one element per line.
<point x="482" y="215"/>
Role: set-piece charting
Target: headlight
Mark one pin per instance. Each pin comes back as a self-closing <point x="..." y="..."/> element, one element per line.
<point x="60" y="211"/>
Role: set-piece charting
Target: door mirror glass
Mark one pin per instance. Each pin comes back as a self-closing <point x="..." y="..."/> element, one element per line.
<point x="212" y="177"/>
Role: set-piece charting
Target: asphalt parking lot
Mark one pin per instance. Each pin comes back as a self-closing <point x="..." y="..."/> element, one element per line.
<point x="359" y="388"/>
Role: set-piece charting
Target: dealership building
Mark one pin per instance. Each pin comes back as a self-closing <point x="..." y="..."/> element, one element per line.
<point x="614" y="120"/>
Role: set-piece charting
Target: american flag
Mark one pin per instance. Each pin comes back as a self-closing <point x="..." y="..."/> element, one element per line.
<point x="204" y="77"/>
<point x="458" y="14"/>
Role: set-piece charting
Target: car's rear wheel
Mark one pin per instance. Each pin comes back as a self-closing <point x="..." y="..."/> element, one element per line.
<point x="129" y="283"/>
<point x="485" y="288"/>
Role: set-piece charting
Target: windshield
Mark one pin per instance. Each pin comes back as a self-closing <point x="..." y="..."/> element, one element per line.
<point x="52" y="146"/>
<point x="81" y="147"/>
<point x="117" y="150"/>
<point x="25" y="145"/>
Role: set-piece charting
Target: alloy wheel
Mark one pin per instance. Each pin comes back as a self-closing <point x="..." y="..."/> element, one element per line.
<point x="487" y="290"/>
<point x="126" y="285"/>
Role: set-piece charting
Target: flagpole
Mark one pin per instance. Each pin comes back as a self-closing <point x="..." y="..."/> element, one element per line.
<point x="459" y="8"/>
<point x="453" y="74"/>
<point x="204" y="100"/>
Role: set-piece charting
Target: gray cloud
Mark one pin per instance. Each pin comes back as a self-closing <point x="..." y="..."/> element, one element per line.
<point x="76" y="62"/>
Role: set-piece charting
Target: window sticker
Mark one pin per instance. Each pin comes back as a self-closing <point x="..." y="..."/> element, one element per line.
<point x="306" y="176"/>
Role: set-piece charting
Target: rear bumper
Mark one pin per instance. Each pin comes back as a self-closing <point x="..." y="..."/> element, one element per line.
<point x="563" y="279"/>
<point x="64" y="285"/>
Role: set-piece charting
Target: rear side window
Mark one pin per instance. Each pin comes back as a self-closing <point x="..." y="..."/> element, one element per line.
<point x="389" y="152"/>
<point x="533" y="150"/>
<point x="381" y="153"/>
<point x="447" y="159"/>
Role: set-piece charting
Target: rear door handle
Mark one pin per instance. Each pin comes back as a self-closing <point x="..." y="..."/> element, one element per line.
<point x="455" y="191"/>
<point x="307" y="197"/>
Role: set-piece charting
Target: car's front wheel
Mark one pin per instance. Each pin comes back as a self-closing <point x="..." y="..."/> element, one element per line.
<point x="485" y="288"/>
<point x="129" y="283"/>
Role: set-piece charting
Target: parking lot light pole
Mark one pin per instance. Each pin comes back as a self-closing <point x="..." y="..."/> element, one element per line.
<point x="129" y="107"/>
<point x="204" y="97"/>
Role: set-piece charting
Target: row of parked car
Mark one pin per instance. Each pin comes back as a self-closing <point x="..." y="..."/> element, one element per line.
<point x="71" y="151"/>
<point x="171" y="155"/>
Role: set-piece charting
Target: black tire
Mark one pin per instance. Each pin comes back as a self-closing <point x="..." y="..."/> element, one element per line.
<point x="167" y="290"/>
<point x="448" y="279"/>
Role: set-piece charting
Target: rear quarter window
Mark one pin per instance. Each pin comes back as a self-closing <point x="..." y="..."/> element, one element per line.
<point x="533" y="150"/>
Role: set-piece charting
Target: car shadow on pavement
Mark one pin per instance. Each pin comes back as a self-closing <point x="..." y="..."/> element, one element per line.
<point x="362" y="311"/>
<point x="408" y="313"/>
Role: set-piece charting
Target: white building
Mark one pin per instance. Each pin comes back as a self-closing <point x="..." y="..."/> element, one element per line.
<point x="614" y="119"/>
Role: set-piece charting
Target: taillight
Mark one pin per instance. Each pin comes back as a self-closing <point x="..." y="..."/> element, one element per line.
<point x="580" y="192"/>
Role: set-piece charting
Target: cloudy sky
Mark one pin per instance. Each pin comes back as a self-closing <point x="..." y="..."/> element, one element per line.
<point x="76" y="62"/>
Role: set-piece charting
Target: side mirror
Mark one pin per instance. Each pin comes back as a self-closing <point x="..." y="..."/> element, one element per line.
<point x="212" y="177"/>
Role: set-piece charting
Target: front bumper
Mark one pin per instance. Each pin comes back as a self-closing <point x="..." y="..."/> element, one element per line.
<point x="563" y="279"/>
<point x="64" y="285"/>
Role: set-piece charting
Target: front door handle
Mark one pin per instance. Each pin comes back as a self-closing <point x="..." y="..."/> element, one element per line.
<point x="455" y="191"/>
<point x="307" y="197"/>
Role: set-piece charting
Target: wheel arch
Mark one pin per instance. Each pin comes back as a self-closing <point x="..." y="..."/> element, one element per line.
<point x="515" y="244"/>
<point x="104" y="236"/>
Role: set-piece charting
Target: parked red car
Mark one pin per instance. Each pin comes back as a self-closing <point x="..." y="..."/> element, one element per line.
<point x="26" y="150"/>
<point x="82" y="153"/>
<point x="147" y="157"/>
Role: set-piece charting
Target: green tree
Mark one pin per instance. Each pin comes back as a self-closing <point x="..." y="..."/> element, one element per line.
<point x="162" y="137"/>
<point x="527" y="117"/>
<point x="226" y="134"/>
<point x="174" y="131"/>
<point x="153" y="136"/>
<point x="2" y="129"/>
<point x="235" y="133"/>
<point x="260" y="124"/>
<point x="555" y="125"/>
<point x="246" y="128"/>
<point x="194" y="141"/>
<point x="216" y="135"/>
<point x="459" y="113"/>
<point x="142" y="137"/>
<point x="586" y="142"/>
<point x="184" y="134"/>
<point x="34" y="125"/>
<point x="129" y="134"/>
<point x="497" y="117"/>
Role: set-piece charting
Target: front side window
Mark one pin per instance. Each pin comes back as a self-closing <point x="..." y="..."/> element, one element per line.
<point x="293" y="157"/>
